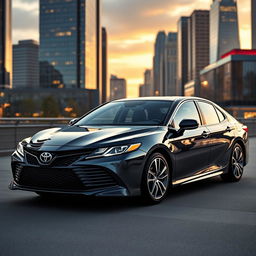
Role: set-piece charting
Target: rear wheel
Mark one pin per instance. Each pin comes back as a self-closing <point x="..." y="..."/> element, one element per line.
<point x="236" y="165"/>
<point x="156" y="179"/>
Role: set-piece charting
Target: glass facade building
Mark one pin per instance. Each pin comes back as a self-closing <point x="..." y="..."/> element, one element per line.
<point x="182" y="55"/>
<point x="145" y="89"/>
<point x="117" y="88"/>
<point x="70" y="44"/>
<point x="25" y="64"/>
<point x="224" y="30"/>
<point x="170" y="64"/>
<point x="105" y="87"/>
<point x="253" y="11"/>
<point x="231" y="81"/>
<point x="158" y="63"/>
<point x="5" y="44"/>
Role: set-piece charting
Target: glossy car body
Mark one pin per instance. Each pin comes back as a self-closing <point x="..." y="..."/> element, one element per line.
<point x="192" y="154"/>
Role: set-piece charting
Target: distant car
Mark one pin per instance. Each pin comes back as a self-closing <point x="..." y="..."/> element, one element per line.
<point x="133" y="147"/>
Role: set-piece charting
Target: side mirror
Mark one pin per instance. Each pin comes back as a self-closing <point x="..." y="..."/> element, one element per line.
<point x="71" y="122"/>
<point x="188" y="124"/>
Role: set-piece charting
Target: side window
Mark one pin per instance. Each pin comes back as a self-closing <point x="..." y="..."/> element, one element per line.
<point x="187" y="110"/>
<point x="209" y="113"/>
<point x="220" y="115"/>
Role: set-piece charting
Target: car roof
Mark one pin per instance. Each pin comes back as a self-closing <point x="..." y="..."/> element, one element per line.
<point x="162" y="98"/>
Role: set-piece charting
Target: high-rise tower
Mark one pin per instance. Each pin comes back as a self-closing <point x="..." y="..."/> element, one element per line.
<point x="70" y="44"/>
<point x="5" y="44"/>
<point x="224" y="31"/>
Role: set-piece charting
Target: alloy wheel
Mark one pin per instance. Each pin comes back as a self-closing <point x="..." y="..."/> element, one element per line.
<point x="238" y="162"/>
<point x="158" y="178"/>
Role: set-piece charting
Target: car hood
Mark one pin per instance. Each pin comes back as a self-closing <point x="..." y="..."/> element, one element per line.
<point x="92" y="136"/>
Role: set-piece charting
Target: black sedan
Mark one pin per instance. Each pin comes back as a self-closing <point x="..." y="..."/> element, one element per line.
<point x="133" y="147"/>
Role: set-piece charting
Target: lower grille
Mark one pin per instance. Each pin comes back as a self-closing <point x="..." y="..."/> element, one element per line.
<point x="79" y="179"/>
<point x="95" y="177"/>
<point x="48" y="178"/>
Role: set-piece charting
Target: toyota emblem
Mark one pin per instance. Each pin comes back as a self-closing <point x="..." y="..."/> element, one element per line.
<point x="46" y="157"/>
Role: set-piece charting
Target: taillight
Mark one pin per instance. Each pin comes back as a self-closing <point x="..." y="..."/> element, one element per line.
<point x="245" y="128"/>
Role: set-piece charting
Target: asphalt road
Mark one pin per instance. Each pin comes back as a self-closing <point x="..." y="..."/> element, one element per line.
<point x="206" y="218"/>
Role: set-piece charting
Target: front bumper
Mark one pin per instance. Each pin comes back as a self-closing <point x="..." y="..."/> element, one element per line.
<point x="108" y="176"/>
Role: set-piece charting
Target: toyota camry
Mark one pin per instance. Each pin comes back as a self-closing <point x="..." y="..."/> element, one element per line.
<point x="133" y="147"/>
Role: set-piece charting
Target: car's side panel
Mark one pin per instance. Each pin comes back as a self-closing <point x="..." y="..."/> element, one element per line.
<point x="221" y="137"/>
<point x="191" y="152"/>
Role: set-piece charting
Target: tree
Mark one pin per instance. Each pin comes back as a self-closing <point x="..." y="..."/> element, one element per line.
<point x="50" y="107"/>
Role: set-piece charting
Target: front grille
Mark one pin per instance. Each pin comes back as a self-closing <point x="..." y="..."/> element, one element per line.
<point x="95" y="177"/>
<point x="48" y="178"/>
<point x="77" y="179"/>
<point x="65" y="161"/>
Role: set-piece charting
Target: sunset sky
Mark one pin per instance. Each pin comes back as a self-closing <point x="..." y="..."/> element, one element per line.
<point x="132" y="26"/>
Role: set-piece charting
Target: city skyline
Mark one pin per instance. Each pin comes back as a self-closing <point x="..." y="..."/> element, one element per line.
<point x="130" y="40"/>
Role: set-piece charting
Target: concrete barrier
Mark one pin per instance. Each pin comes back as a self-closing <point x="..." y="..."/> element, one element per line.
<point x="13" y="130"/>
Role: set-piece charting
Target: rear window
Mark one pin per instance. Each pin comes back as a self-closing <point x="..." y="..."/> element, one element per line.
<point x="209" y="114"/>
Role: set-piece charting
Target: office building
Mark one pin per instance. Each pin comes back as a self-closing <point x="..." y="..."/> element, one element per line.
<point x="231" y="82"/>
<point x="198" y="46"/>
<point x="170" y="65"/>
<point x="146" y="89"/>
<point x="224" y="30"/>
<point x="253" y="14"/>
<point x="117" y="88"/>
<point x="182" y="55"/>
<point x="105" y="89"/>
<point x="26" y="64"/>
<point x="46" y="102"/>
<point x="70" y="44"/>
<point x="5" y="44"/>
<point x="158" y="64"/>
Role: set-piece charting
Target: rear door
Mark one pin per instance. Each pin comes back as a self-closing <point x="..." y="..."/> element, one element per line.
<point x="220" y="134"/>
<point x="191" y="149"/>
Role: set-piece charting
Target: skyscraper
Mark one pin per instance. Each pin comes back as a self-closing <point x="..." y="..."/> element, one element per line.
<point x="5" y="44"/>
<point x="253" y="11"/>
<point x="25" y="64"/>
<point x="158" y="64"/>
<point x="182" y="55"/>
<point x="198" y="43"/>
<point x="224" y="32"/>
<point x="146" y="88"/>
<point x="117" y="88"/>
<point x="70" y="44"/>
<point x="170" y="64"/>
<point x="105" y="89"/>
<point x="198" y="49"/>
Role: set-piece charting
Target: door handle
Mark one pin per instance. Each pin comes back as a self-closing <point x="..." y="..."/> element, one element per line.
<point x="205" y="134"/>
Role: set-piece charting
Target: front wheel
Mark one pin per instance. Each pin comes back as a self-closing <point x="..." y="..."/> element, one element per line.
<point x="156" y="179"/>
<point x="236" y="165"/>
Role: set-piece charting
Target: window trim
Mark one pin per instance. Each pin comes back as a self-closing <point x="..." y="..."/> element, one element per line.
<point x="225" y="117"/>
<point x="178" y="108"/>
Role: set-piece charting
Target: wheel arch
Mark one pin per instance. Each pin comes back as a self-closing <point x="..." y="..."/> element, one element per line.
<point x="164" y="150"/>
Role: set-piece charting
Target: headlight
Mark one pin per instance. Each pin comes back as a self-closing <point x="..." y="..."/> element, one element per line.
<point x="100" y="152"/>
<point x="20" y="147"/>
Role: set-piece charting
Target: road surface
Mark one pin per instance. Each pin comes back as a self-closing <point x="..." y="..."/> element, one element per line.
<point x="206" y="218"/>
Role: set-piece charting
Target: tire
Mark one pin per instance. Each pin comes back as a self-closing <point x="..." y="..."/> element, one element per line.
<point x="156" y="179"/>
<point x="236" y="165"/>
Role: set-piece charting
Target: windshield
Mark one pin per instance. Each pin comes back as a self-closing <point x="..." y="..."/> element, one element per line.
<point x="139" y="112"/>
